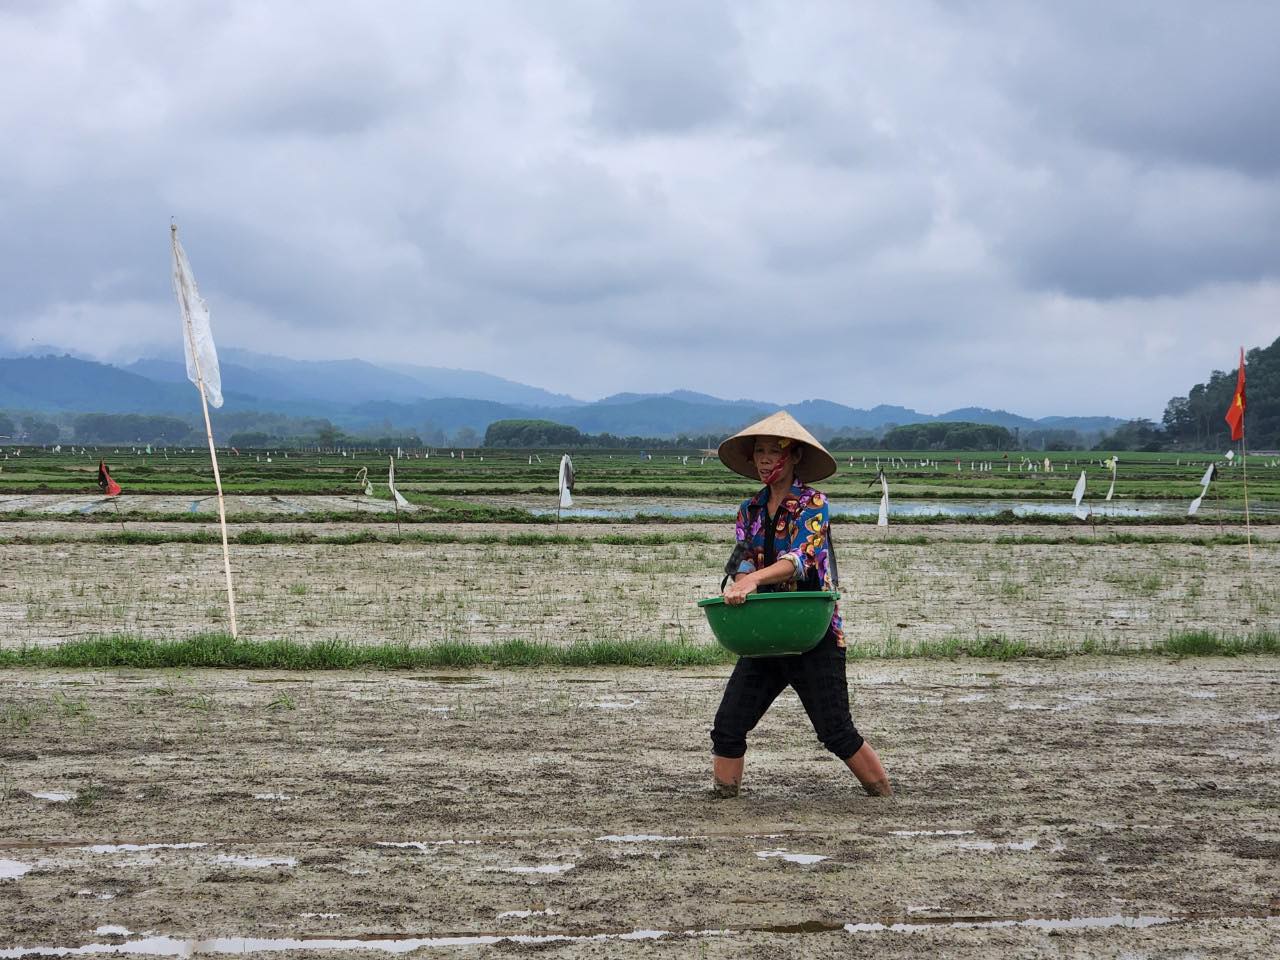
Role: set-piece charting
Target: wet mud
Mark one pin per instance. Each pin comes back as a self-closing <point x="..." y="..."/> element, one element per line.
<point x="1086" y="807"/>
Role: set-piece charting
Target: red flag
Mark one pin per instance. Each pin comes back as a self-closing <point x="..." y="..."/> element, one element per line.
<point x="1235" y="414"/>
<point x="105" y="483"/>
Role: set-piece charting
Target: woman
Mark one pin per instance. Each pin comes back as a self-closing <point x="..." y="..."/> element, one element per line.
<point x="785" y="529"/>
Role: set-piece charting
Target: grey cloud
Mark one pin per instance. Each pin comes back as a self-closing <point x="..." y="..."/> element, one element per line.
<point x="1163" y="81"/>
<point x="656" y="65"/>
<point x="931" y="204"/>
<point x="1123" y="230"/>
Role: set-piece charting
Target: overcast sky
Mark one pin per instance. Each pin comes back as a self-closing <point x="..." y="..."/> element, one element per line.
<point x="1054" y="208"/>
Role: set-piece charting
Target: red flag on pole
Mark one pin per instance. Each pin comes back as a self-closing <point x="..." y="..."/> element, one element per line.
<point x="105" y="483"/>
<point x="1235" y="414"/>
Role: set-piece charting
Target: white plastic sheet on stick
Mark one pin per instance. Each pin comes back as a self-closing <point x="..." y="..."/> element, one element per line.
<point x="198" y="334"/>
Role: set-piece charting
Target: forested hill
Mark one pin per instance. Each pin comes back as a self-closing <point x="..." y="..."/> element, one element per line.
<point x="1196" y="420"/>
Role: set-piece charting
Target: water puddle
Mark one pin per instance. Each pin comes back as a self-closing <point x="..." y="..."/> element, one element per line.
<point x="525" y="914"/>
<point x="112" y="930"/>
<point x="140" y="847"/>
<point x="173" y="947"/>
<point x="639" y="838"/>
<point x="804" y="858"/>
<point x="930" y="833"/>
<point x="53" y="796"/>
<point x="12" y="869"/>
<point x="616" y="704"/>
<point x="1052" y="923"/>
<point x="319" y="916"/>
<point x="426" y="846"/>
<point x="543" y="868"/>
<point x="973" y="698"/>
<point x="235" y="860"/>
<point x="900" y="509"/>
<point x="272" y="796"/>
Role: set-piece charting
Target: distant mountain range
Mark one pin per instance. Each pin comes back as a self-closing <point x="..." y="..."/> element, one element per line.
<point x="359" y="396"/>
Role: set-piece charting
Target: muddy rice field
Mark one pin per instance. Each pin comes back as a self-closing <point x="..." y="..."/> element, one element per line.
<point x="933" y="584"/>
<point x="1078" y="807"/>
<point x="1074" y="806"/>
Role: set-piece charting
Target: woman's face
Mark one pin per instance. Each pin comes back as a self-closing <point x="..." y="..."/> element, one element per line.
<point x="769" y="452"/>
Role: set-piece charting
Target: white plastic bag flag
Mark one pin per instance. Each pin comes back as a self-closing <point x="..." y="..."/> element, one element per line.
<point x="1113" y="463"/>
<point x="202" y="356"/>
<point x="1082" y="512"/>
<point x="565" y="482"/>
<point x="391" y="483"/>
<point x="1207" y="479"/>
<point x="883" y="519"/>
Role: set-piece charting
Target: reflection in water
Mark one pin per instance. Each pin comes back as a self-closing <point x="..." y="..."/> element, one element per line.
<point x="12" y="869"/>
<point x="137" y="847"/>
<point x="900" y="509"/>
<point x="805" y="858"/>
<point x="173" y="947"/>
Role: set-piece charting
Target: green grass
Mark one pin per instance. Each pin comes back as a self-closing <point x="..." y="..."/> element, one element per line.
<point x="220" y="651"/>
<point x="1202" y="643"/>
<point x="259" y="537"/>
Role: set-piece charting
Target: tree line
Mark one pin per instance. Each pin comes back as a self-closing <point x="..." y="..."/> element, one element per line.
<point x="530" y="434"/>
<point x="934" y="435"/>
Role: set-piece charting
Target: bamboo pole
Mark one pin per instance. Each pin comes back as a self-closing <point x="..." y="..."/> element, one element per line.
<point x="208" y="428"/>
<point x="395" y="499"/>
<point x="1217" y="500"/>
<point x="1244" y="468"/>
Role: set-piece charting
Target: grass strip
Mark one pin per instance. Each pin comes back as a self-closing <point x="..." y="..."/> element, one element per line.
<point x="1193" y="643"/>
<point x="263" y="537"/>
<point x="512" y="515"/>
<point x="259" y="537"/>
<point x="220" y="651"/>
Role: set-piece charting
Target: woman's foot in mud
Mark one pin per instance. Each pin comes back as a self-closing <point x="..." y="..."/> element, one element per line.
<point x="724" y="791"/>
<point x="877" y="788"/>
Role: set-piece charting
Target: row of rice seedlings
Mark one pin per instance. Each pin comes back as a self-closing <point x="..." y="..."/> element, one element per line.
<point x="483" y="593"/>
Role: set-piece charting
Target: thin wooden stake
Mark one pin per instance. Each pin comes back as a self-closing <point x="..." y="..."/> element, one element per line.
<point x="213" y="453"/>
<point x="1217" y="500"/>
<point x="1244" y="467"/>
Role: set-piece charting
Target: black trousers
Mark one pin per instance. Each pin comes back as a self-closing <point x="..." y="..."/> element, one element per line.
<point x="818" y="678"/>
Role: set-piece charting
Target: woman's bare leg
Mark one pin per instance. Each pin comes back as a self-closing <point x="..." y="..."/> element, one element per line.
<point x="866" y="766"/>
<point x="727" y="774"/>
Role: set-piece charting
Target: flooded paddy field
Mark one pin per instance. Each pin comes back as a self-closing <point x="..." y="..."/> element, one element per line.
<point x="1081" y="807"/>
<point x="935" y="583"/>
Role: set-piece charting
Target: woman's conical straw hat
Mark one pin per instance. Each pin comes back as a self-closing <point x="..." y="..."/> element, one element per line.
<point x="816" y="464"/>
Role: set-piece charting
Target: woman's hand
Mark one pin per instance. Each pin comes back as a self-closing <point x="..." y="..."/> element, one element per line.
<point x="737" y="592"/>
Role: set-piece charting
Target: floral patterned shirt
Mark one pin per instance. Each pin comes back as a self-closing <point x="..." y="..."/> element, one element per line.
<point x="801" y="532"/>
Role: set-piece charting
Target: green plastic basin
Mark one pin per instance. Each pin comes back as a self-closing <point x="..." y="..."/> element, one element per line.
<point x="772" y="624"/>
